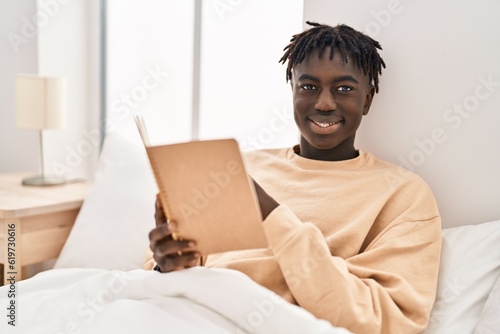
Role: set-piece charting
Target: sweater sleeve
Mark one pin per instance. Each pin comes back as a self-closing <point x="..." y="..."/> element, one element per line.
<point x="388" y="288"/>
<point x="149" y="263"/>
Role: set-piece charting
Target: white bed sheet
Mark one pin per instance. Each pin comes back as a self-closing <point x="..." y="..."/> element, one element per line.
<point x="198" y="300"/>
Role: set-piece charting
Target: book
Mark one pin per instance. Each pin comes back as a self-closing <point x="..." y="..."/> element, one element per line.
<point x="204" y="187"/>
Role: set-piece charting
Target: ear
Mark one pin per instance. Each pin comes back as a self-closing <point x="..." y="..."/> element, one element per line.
<point x="368" y="99"/>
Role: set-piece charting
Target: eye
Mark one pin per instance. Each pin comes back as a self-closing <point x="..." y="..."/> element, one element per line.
<point x="307" y="87"/>
<point x="344" y="89"/>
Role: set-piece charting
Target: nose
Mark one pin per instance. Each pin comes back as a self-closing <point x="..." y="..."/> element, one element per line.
<point x="325" y="101"/>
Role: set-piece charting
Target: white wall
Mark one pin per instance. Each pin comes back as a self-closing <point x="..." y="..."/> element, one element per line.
<point x="439" y="55"/>
<point x="58" y="38"/>
<point x="69" y="46"/>
<point x="19" y="59"/>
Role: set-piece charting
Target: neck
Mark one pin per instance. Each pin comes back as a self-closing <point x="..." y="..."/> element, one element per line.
<point x="344" y="151"/>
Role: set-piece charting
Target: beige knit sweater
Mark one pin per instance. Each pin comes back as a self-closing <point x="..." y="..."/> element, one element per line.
<point x="355" y="242"/>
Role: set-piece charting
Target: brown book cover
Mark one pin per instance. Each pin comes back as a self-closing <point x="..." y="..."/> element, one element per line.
<point x="205" y="189"/>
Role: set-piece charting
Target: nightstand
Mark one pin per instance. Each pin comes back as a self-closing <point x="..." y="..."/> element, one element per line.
<point x="34" y="222"/>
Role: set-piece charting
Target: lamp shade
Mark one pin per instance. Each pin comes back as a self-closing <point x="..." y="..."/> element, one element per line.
<point x="40" y="102"/>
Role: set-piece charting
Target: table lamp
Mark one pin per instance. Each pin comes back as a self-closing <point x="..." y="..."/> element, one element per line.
<point x="41" y="104"/>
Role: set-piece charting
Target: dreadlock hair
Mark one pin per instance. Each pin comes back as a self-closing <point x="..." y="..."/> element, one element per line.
<point x="362" y="48"/>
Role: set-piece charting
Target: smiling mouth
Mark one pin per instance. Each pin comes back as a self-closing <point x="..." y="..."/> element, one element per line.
<point x="325" y="127"/>
<point x="323" y="124"/>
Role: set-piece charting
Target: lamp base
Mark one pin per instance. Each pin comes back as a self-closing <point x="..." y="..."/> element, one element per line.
<point x="48" y="180"/>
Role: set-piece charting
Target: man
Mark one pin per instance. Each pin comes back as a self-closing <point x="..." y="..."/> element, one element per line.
<point x="353" y="239"/>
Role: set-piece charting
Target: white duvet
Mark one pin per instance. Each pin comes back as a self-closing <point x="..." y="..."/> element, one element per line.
<point x="198" y="300"/>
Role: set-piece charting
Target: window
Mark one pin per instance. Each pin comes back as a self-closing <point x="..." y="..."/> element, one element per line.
<point x="242" y="88"/>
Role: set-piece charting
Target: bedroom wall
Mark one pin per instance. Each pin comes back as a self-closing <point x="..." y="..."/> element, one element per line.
<point x="69" y="46"/>
<point x="51" y="37"/>
<point x="12" y="62"/>
<point x="438" y="109"/>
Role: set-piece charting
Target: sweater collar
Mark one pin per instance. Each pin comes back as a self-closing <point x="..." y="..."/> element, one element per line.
<point x="351" y="164"/>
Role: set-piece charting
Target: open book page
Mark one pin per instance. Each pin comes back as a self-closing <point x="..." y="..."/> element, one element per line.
<point x="205" y="189"/>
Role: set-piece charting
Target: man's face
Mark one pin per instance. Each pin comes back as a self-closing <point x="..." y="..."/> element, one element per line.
<point x="329" y="98"/>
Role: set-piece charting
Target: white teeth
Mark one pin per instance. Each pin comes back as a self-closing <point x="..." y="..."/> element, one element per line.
<point x="324" y="125"/>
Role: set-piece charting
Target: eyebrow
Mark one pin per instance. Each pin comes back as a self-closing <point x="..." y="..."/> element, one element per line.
<point x="341" y="78"/>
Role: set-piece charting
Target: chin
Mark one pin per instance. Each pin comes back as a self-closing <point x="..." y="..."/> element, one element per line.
<point x="320" y="145"/>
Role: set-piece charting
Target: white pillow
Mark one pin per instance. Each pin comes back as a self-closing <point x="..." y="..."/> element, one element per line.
<point x="470" y="265"/>
<point x="489" y="322"/>
<point x="111" y="230"/>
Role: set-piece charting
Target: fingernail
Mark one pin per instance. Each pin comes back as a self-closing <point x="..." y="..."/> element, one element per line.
<point x="191" y="244"/>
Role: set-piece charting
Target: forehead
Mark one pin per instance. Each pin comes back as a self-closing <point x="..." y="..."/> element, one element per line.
<point x="315" y="65"/>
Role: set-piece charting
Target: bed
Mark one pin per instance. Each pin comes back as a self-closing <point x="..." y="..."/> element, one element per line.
<point x="98" y="284"/>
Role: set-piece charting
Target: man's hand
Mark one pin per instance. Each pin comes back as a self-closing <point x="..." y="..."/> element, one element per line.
<point x="168" y="253"/>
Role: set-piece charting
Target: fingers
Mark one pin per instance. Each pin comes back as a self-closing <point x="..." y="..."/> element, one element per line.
<point x="179" y="262"/>
<point x="159" y="234"/>
<point x="172" y="254"/>
<point x="173" y="248"/>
